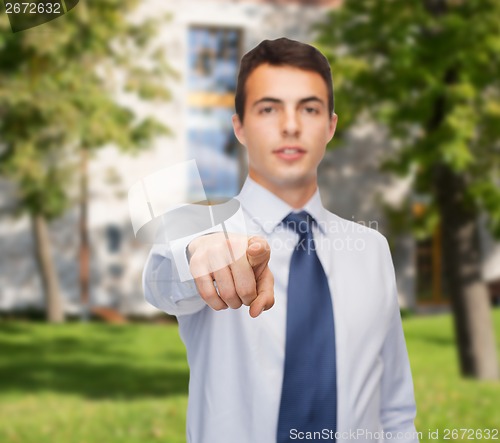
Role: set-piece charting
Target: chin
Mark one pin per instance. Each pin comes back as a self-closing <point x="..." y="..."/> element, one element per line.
<point x="294" y="180"/>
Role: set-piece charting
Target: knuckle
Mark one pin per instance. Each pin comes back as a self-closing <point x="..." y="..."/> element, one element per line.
<point x="247" y="296"/>
<point x="247" y="301"/>
<point x="206" y="288"/>
<point x="231" y="299"/>
<point x="215" y="303"/>
<point x="206" y="297"/>
<point x="198" y="263"/>
<point x="219" y="248"/>
<point x="194" y="262"/>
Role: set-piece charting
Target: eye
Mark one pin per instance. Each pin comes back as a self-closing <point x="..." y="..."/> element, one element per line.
<point x="267" y="110"/>
<point x="311" y="110"/>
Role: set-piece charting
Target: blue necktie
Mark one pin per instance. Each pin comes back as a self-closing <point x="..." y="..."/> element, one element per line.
<point x="309" y="392"/>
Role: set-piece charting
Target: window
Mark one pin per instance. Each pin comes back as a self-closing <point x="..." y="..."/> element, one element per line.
<point x="114" y="238"/>
<point x="213" y="59"/>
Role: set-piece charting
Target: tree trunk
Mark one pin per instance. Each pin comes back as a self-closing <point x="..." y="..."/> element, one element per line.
<point x="462" y="263"/>
<point x="45" y="263"/>
<point x="84" y="258"/>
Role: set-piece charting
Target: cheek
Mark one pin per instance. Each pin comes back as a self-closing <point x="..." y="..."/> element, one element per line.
<point x="259" y="136"/>
<point x="320" y="135"/>
<point x="326" y="135"/>
<point x="319" y="154"/>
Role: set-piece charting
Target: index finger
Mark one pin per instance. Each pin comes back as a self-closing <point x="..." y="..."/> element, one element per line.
<point x="258" y="254"/>
<point x="265" y="293"/>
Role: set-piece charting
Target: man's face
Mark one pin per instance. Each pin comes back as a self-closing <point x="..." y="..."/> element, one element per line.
<point x="286" y="126"/>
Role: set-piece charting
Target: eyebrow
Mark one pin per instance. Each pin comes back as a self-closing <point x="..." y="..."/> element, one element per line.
<point x="312" y="98"/>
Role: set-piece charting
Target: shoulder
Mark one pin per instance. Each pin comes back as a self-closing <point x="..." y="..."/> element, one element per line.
<point x="361" y="253"/>
<point x="359" y="245"/>
<point x="340" y="228"/>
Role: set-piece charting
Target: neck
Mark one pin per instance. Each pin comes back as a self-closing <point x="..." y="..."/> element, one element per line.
<point x="296" y="195"/>
<point x="297" y="200"/>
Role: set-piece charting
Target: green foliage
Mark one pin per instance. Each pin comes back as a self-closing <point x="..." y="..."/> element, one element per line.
<point x="96" y="383"/>
<point x="428" y="71"/>
<point x="58" y="94"/>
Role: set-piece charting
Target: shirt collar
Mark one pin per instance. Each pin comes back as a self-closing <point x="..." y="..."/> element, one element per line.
<point x="268" y="210"/>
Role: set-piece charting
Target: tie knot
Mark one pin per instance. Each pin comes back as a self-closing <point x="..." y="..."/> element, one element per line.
<point x="300" y="222"/>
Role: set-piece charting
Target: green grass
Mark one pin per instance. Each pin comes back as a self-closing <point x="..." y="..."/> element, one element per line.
<point x="92" y="383"/>
<point x="444" y="399"/>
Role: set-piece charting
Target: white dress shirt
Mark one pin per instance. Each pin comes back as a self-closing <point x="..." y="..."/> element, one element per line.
<point x="236" y="362"/>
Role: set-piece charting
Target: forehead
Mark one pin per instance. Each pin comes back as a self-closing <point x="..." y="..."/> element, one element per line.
<point x="286" y="83"/>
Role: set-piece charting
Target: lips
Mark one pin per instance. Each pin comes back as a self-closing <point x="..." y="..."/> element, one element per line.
<point x="290" y="153"/>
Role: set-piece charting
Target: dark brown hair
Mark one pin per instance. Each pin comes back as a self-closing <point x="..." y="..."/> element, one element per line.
<point x="282" y="52"/>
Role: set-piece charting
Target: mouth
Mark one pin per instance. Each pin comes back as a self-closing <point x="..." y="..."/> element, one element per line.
<point x="290" y="152"/>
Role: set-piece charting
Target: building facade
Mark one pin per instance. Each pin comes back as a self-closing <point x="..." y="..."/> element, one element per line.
<point x="203" y="42"/>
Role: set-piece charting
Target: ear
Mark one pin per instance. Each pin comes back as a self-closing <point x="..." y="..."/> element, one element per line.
<point x="239" y="131"/>
<point x="332" y="126"/>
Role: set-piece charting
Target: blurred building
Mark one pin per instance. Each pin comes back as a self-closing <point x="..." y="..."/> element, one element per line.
<point x="204" y="41"/>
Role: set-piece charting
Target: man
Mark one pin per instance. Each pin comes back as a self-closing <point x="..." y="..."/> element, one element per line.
<point x="328" y="360"/>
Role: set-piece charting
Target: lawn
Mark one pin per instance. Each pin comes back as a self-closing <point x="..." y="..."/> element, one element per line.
<point x="444" y="399"/>
<point x="92" y="383"/>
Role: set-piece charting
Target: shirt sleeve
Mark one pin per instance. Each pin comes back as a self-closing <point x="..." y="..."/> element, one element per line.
<point x="398" y="409"/>
<point x="163" y="287"/>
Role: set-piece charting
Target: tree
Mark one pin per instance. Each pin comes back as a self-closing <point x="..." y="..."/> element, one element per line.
<point x="58" y="86"/>
<point x="428" y="71"/>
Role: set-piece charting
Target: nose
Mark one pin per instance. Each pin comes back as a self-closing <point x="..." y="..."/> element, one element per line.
<point x="291" y="123"/>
